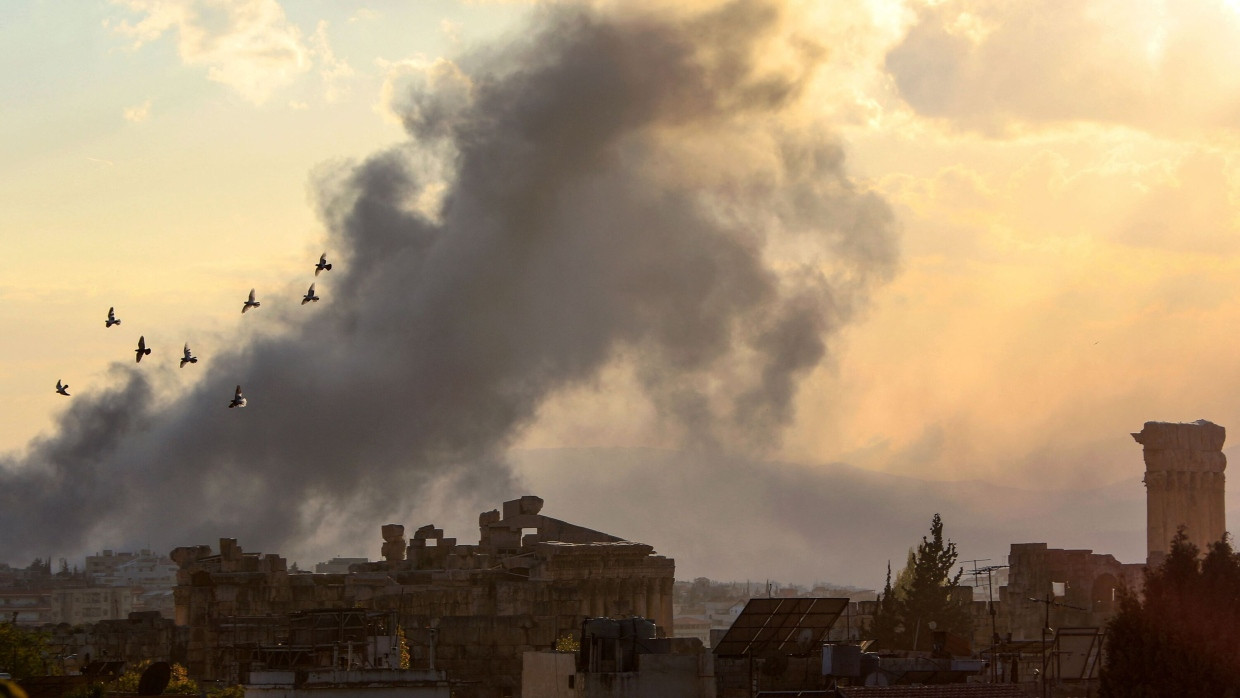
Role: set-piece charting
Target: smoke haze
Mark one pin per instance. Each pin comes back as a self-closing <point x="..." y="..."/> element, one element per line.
<point x="603" y="189"/>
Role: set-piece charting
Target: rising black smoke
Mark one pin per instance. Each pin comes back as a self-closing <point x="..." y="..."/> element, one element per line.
<point x="618" y="189"/>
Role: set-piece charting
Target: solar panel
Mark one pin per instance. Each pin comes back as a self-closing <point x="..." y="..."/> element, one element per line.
<point x="770" y="627"/>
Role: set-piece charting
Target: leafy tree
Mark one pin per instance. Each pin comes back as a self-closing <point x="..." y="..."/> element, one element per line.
<point x="179" y="683"/>
<point x="567" y="643"/>
<point x="904" y="578"/>
<point x="1181" y="636"/>
<point x="403" y="644"/>
<point x="924" y="594"/>
<point x="23" y="653"/>
<point x="233" y="691"/>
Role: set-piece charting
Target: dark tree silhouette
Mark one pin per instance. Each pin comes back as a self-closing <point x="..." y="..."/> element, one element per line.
<point x="1181" y="635"/>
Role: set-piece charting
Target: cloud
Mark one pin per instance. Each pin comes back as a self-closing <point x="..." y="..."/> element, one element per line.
<point x="138" y="114"/>
<point x="612" y="190"/>
<point x="738" y="518"/>
<point x="1056" y="292"/>
<point x="997" y="66"/>
<point x="248" y="45"/>
<point x="335" y="72"/>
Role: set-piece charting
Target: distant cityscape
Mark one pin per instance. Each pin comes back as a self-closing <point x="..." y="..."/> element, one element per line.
<point x="479" y="617"/>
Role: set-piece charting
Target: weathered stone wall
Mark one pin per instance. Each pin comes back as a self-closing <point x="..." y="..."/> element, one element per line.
<point x="1184" y="482"/>
<point x="486" y="604"/>
<point x="1090" y="584"/>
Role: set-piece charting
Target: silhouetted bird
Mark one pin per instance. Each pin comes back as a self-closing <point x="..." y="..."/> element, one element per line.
<point x="238" y="399"/>
<point x="322" y="265"/>
<point x="188" y="358"/>
<point x="250" y="303"/>
<point x="111" y="318"/>
<point x="310" y="297"/>
<point x="141" y="350"/>
<point x="62" y="389"/>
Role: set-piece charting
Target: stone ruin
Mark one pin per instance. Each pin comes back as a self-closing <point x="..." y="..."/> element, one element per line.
<point x="530" y="580"/>
<point x="393" y="542"/>
<point x="1184" y="483"/>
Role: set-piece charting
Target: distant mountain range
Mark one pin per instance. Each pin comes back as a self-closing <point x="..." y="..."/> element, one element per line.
<point x="736" y="519"/>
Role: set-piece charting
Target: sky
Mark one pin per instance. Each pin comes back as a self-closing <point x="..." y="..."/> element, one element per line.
<point x="957" y="241"/>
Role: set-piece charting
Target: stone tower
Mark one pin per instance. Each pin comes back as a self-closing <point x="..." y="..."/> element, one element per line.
<point x="1184" y="466"/>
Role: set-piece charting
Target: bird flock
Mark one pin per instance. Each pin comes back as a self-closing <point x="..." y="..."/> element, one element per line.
<point x="188" y="357"/>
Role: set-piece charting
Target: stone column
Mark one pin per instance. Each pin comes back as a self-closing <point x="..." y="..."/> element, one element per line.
<point x="639" y="597"/>
<point x="1184" y="482"/>
<point x="665" y="601"/>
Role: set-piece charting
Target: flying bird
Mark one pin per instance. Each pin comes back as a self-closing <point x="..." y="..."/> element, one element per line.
<point x="141" y="349"/>
<point x="238" y="399"/>
<point x="310" y="297"/>
<point x="250" y="303"/>
<point x="188" y="358"/>
<point x="61" y="388"/>
<point x="111" y="318"/>
<point x="323" y="265"/>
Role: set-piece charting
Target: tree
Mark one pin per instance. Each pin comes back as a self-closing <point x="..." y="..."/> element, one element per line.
<point x="886" y="616"/>
<point x="1181" y="636"/>
<point x="23" y="653"/>
<point x="178" y="683"/>
<point x="924" y="595"/>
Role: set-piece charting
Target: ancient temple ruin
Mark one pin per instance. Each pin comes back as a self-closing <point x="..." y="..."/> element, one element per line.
<point x="1184" y="482"/>
<point x="470" y="610"/>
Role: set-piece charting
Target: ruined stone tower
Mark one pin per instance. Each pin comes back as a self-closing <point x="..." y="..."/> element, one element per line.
<point x="1184" y="466"/>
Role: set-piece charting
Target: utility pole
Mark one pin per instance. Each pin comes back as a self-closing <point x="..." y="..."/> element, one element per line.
<point x="1046" y="655"/>
<point x="990" y="608"/>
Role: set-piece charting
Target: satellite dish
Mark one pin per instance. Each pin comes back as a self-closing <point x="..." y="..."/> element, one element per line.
<point x="155" y="679"/>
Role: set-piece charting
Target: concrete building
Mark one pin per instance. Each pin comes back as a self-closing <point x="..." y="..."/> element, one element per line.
<point x="1184" y="483"/>
<point x="694" y="626"/>
<point x="621" y="658"/>
<point x="79" y="605"/>
<point x="105" y="563"/>
<point x="150" y="572"/>
<point x="26" y="607"/>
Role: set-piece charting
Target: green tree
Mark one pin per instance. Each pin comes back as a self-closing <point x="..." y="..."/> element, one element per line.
<point x="1181" y="635"/>
<point x="924" y="597"/>
<point x="882" y="627"/>
<point x="178" y="683"/>
<point x="23" y="653"/>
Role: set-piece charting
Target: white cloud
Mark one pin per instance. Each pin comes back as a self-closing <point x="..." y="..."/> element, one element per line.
<point x="1002" y="66"/>
<point x="335" y="72"/>
<point x="138" y="114"/>
<point x="248" y="45"/>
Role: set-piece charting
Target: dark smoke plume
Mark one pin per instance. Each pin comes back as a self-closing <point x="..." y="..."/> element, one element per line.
<point x="615" y="189"/>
